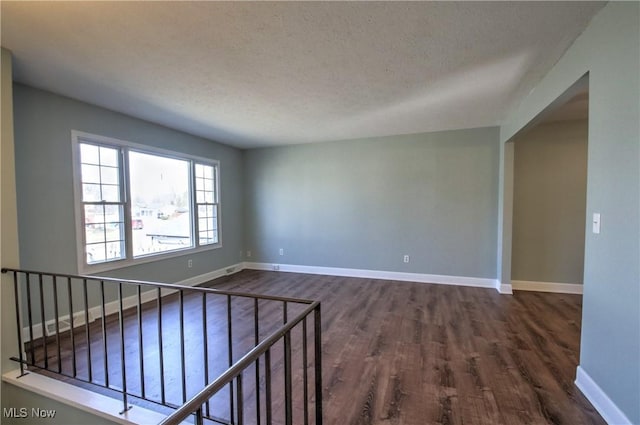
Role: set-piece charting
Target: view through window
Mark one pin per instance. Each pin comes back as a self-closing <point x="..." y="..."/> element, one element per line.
<point x="160" y="203"/>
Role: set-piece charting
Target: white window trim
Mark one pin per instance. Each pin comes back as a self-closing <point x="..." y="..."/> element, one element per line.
<point x="83" y="268"/>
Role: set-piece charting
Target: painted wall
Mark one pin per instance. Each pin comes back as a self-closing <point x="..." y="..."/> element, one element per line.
<point x="550" y="182"/>
<point x="43" y="124"/>
<point x="364" y="204"/>
<point x="608" y="50"/>
<point x="9" y="253"/>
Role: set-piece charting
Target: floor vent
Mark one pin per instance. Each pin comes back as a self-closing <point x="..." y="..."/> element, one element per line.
<point x="64" y="323"/>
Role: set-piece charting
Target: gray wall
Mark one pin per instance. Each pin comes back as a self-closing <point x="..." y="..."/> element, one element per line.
<point x="8" y="226"/>
<point x="550" y="185"/>
<point x="608" y="50"/>
<point x="363" y="204"/>
<point x="43" y="124"/>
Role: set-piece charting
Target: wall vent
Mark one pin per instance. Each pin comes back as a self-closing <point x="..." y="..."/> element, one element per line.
<point x="64" y="323"/>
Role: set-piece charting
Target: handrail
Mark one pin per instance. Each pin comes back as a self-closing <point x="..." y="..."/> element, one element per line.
<point x="162" y="285"/>
<point x="210" y="390"/>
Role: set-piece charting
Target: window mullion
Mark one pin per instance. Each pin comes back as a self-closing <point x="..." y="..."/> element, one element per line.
<point x="195" y="228"/>
<point x="216" y="206"/>
<point x="216" y="201"/>
<point x="126" y="200"/>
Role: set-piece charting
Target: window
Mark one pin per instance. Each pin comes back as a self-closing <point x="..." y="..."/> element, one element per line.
<point x="207" y="208"/>
<point x="135" y="203"/>
<point x="161" y="185"/>
<point x="102" y="203"/>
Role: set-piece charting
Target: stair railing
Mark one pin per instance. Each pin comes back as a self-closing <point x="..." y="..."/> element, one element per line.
<point x="165" y="344"/>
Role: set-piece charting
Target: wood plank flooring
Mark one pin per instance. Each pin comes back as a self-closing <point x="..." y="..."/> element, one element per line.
<point x="404" y="353"/>
<point x="413" y="353"/>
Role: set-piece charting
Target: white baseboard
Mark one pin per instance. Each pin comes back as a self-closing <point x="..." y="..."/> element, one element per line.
<point x="599" y="399"/>
<point x="504" y="288"/>
<point x="379" y="274"/>
<point x="113" y="307"/>
<point x="560" y="288"/>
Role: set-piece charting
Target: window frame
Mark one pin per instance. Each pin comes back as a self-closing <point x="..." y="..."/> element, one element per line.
<point x="214" y="204"/>
<point x="123" y="146"/>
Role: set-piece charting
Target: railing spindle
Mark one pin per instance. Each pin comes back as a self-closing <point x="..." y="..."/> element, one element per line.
<point x="288" y="405"/>
<point x="57" y="320"/>
<point x="74" y="366"/>
<point x="140" y="340"/>
<point x="123" y="366"/>
<point x="305" y="378"/>
<point x="86" y="328"/>
<point x="30" y="317"/>
<point x="230" y="345"/>
<point x="182" y="357"/>
<point x="205" y="346"/>
<point x="256" y="330"/>
<point x="104" y="334"/>
<point x="43" y="322"/>
<point x="160" y="352"/>
<point x="240" y="397"/>
<point x="199" y="417"/>
<point x="317" y="322"/>
<point x="284" y="313"/>
<point x="267" y="381"/>
<point x="18" y="323"/>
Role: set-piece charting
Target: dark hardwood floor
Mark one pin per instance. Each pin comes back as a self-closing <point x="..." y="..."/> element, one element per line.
<point x="412" y="353"/>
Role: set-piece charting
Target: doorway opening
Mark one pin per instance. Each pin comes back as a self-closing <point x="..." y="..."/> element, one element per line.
<point x="549" y="196"/>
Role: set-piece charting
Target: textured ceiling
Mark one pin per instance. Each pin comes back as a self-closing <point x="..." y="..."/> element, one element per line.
<point x="258" y="74"/>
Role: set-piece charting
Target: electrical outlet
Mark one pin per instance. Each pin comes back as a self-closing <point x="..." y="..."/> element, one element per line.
<point x="248" y="254"/>
<point x="406" y="259"/>
<point x="189" y="263"/>
<point x="281" y="251"/>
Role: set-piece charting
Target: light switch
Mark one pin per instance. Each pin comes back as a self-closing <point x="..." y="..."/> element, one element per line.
<point x="596" y="223"/>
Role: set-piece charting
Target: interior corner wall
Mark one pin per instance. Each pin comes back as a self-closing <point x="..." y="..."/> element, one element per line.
<point x="608" y="51"/>
<point x="550" y="182"/>
<point x="9" y="252"/>
<point x="43" y="125"/>
<point x="364" y="204"/>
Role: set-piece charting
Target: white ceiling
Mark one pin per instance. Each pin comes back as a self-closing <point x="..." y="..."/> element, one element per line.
<point x="255" y="74"/>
